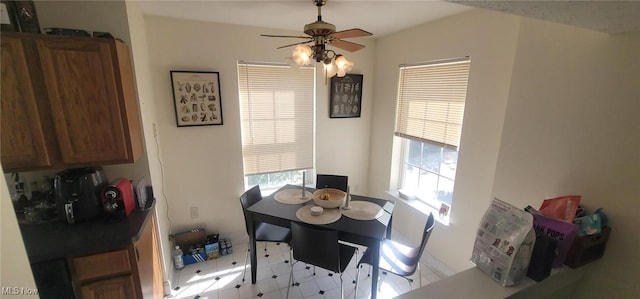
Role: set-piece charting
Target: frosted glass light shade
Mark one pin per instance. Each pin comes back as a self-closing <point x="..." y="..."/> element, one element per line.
<point x="302" y="55"/>
<point x="329" y="69"/>
<point x="343" y="65"/>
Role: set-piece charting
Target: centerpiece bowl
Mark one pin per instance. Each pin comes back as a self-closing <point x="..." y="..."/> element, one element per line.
<point x="329" y="198"/>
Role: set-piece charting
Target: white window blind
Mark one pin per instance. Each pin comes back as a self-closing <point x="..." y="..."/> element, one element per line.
<point x="431" y="99"/>
<point x="277" y="117"/>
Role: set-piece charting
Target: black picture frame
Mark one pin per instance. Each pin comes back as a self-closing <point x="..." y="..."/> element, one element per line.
<point x="345" y="97"/>
<point x="196" y="98"/>
<point x="9" y="18"/>
<point x="27" y="16"/>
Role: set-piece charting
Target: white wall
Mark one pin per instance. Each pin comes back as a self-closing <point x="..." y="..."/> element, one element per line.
<point x="14" y="264"/>
<point x="203" y="165"/>
<point x="572" y="127"/>
<point x="140" y="50"/>
<point x="489" y="39"/>
<point x="552" y="110"/>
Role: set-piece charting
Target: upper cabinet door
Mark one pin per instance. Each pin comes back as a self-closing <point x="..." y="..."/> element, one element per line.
<point x="82" y="83"/>
<point x="23" y="139"/>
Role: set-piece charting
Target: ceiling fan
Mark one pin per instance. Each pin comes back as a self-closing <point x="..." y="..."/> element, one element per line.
<point x="319" y="35"/>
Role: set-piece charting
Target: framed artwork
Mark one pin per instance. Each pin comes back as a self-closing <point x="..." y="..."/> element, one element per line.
<point x="196" y="96"/>
<point x="8" y="18"/>
<point x="345" y="98"/>
<point x="27" y="17"/>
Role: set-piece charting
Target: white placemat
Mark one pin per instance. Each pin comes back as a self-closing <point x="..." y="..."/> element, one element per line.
<point x="292" y="196"/>
<point x="363" y="210"/>
<point x="327" y="216"/>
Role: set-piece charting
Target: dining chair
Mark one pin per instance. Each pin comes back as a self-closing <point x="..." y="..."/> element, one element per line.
<point x="398" y="258"/>
<point x="332" y="181"/>
<point x="264" y="232"/>
<point x="319" y="247"/>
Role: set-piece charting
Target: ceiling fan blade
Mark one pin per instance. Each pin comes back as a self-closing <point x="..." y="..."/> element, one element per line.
<point x="300" y="43"/>
<point x="355" y="32"/>
<point x="287" y="36"/>
<point x="345" y="45"/>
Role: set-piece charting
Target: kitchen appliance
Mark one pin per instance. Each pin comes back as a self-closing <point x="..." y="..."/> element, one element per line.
<point x="77" y="193"/>
<point x="118" y="199"/>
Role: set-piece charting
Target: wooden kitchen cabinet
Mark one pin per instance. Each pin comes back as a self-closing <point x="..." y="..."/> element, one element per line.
<point x="67" y="102"/>
<point x="114" y="288"/>
<point x="129" y="273"/>
<point x="149" y="262"/>
<point x="22" y="132"/>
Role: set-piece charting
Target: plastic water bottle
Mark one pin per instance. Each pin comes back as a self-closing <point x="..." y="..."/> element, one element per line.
<point x="177" y="258"/>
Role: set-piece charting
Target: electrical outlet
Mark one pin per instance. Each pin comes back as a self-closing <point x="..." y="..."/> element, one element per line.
<point x="194" y="212"/>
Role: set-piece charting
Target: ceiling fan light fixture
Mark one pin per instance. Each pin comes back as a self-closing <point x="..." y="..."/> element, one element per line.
<point x="321" y="34"/>
<point x="333" y="63"/>
<point x="302" y="55"/>
<point x="329" y="68"/>
<point x="343" y="65"/>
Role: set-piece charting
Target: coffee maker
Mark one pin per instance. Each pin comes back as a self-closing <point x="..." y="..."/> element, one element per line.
<point x="77" y="193"/>
<point x="118" y="199"/>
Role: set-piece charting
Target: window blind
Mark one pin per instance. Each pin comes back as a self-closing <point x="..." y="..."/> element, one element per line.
<point x="430" y="104"/>
<point x="277" y="117"/>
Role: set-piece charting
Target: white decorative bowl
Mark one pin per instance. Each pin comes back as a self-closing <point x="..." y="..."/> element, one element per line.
<point x="329" y="198"/>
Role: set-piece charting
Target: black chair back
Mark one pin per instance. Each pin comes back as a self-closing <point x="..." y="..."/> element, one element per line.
<point x="249" y="198"/>
<point x="426" y="233"/>
<point x="406" y="262"/>
<point x="332" y="181"/>
<point x="316" y="246"/>
<point x="264" y="232"/>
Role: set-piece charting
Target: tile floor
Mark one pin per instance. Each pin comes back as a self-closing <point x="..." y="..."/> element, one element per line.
<point x="222" y="278"/>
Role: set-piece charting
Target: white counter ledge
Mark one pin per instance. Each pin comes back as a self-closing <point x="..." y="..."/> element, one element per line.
<point x="473" y="283"/>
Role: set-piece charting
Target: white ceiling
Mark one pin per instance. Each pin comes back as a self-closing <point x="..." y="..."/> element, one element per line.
<point x="377" y="17"/>
<point x="605" y="16"/>
<point x="382" y="17"/>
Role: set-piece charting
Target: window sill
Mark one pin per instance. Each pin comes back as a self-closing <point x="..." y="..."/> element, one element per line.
<point x="421" y="207"/>
<point x="269" y="191"/>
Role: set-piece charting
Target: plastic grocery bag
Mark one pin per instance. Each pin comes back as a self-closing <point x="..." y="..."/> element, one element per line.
<point x="562" y="208"/>
<point x="504" y="243"/>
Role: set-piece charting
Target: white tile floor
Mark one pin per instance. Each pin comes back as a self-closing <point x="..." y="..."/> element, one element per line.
<point x="222" y="278"/>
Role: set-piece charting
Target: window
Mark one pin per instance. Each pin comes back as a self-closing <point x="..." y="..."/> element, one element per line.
<point x="277" y="120"/>
<point x="430" y="109"/>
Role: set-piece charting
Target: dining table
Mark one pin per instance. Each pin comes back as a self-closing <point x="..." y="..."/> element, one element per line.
<point x="369" y="232"/>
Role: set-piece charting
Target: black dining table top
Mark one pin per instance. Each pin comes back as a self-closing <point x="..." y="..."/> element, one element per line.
<point x="369" y="229"/>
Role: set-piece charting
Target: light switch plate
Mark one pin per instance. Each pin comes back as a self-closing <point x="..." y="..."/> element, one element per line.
<point x="194" y="212"/>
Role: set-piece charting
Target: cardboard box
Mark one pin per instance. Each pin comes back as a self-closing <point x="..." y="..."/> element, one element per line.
<point x="212" y="250"/>
<point x="195" y="258"/>
<point x="191" y="238"/>
<point x="192" y="245"/>
<point x="212" y="246"/>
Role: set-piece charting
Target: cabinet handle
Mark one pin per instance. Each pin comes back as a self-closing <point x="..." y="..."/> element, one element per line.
<point x="137" y="254"/>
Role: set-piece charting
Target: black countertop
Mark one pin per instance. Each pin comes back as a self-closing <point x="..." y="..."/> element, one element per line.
<point x="57" y="239"/>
